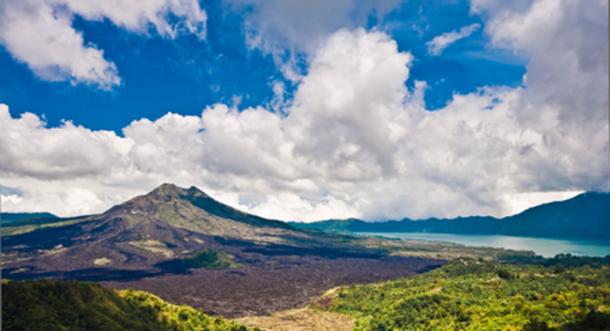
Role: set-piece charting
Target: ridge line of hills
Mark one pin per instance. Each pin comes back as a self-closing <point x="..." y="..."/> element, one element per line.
<point x="586" y="216"/>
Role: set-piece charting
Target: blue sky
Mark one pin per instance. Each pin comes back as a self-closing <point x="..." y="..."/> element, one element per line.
<point x="304" y="110"/>
<point x="185" y="74"/>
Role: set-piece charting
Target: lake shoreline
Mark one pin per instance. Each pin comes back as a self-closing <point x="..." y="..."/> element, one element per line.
<point x="546" y="247"/>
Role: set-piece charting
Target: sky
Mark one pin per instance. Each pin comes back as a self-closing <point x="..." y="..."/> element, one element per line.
<point x="304" y="110"/>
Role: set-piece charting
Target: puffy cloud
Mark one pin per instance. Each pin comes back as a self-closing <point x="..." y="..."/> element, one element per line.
<point x="45" y="40"/>
<point x="353" y="142"/>
<point x="566" y="93"/>
<point x="40" y="33"/>
<point x="63" y="152"/>
<point x="442" y="41"/>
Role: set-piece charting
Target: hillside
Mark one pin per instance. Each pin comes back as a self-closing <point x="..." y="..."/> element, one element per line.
<point x="19" y="223"/>
<point x="18" y="219"/>
<point x="586" y="216"/>
<point x="56" y="305"/>
<point x="558" y="294"/>
<point x="9" y="216"/>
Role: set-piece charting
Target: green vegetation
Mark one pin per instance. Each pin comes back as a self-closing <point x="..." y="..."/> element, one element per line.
<point x="564" y="293"/>
<point x="211" y="259"/>
<point x="174" y="317"/>
<point x="57" y="305"/>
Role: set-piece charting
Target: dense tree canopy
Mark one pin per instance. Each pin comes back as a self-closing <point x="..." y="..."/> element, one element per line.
<point x="561" y="294"/>
<point x="57" y="305"/>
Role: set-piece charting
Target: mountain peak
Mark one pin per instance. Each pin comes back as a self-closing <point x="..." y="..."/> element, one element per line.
<point x="173" y="191"/>
<point x="166" y="189"/>
<point x="169" y="202"/>
<point x="152" y="200"/>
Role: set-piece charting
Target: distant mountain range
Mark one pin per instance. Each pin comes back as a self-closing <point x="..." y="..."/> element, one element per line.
<point x="586" y="216"/>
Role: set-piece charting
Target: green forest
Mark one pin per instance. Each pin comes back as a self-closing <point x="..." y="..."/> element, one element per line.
<point x="564" y="293"/>
<point x="58" y="305"/>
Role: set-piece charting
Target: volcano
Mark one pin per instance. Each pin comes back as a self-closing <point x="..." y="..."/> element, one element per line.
<point x="169" y="222"/>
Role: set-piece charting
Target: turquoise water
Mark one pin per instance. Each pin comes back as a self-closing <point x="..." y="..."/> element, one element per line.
<point x="544" y="247"/>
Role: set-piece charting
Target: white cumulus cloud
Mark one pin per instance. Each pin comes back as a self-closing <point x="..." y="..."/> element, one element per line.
<point x="40" y="33"/>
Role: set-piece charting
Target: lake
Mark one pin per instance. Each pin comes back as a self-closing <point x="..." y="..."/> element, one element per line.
<point x="541" y="246"/>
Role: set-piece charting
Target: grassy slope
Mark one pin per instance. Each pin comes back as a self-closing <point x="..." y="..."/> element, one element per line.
<point x="211" y="259"/>
<point x="477" y="295"/>
<point x="57" y="305"/>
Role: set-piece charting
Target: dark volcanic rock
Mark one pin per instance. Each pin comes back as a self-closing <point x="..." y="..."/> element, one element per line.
<point x="264" y="289"/>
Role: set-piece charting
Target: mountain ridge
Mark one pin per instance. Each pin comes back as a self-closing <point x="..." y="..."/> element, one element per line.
<point x="170" y="192"/>
<point x="532" y="222"/>
<point x="586" y="216"/>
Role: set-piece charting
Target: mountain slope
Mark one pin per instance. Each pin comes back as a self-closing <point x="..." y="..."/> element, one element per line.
<point x="9" y="216"/>
<point x="586" y="216"/>
<point x="17" y="219"/>
<point x="18" y="223"/>
<point x="57" y="305"/>
<point x="169" y="222"/>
